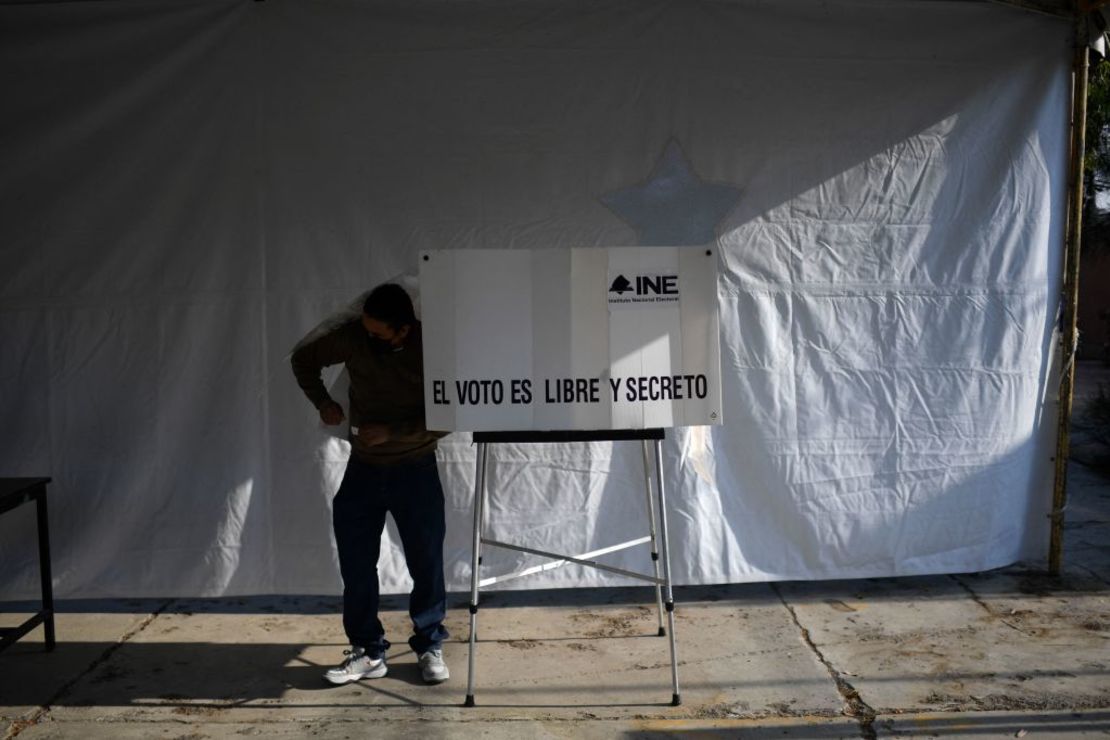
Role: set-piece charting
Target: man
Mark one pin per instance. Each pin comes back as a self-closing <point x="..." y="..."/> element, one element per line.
<point x="392" y="469"/>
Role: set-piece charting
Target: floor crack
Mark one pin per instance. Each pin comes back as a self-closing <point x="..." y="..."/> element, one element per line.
<point x="978" y="600"/>
<point x="854" y="705"/>
<point x="41" y="713"/>
<point x="974" y="596"/>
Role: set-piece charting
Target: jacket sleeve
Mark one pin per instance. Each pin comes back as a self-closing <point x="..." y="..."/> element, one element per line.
<point x="330" y="349"/>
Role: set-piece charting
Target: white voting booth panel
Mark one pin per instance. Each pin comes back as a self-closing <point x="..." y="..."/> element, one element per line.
<point x="617" y="338"/>
<point x="585" y="342"/>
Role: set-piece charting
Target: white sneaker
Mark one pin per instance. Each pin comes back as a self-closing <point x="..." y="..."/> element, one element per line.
<point x="355" y="666"/>
<point x="432" y="666"/>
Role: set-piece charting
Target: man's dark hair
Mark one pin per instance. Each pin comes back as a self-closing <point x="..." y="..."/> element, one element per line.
<point x="390" y="303"/>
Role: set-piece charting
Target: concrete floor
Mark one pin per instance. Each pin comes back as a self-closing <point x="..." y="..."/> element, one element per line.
<point x="1008" y="653"/>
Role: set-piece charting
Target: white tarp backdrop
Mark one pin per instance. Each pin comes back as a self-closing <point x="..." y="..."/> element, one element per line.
<point x="187" y="187"/>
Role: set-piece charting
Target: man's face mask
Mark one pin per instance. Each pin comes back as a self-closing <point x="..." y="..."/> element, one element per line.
<point x="381" y="337"/>
<point x="380" y="346"/>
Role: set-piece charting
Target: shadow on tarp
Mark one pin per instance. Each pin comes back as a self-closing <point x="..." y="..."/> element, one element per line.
<point x="1014" y="581"/>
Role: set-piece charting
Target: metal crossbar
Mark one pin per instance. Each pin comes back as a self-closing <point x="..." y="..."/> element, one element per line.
<point x="564" y="559"/>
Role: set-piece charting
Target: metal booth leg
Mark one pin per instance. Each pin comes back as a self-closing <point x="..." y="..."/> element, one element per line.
<point x="654" y="546"/>
<point x="475" y="562"/>
<point x="675" y="697"/>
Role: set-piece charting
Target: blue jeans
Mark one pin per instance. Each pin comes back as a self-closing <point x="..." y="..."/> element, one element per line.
<point x="412" y="493"/>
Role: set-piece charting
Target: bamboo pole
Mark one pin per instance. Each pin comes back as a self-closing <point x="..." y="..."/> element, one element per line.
<point x="1070" y="334"/>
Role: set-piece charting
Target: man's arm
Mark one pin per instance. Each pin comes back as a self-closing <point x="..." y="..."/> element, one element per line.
<point x="330" y="349"/>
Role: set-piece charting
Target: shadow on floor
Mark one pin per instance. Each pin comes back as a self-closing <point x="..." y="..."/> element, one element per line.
<point x="1013" y="581"/>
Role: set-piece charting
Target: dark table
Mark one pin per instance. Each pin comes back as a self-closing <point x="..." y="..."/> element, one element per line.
<point x="16" y="492"/>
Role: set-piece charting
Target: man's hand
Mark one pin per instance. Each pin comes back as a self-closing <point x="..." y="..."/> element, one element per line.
<point x="373" y="434"/>
<point x="331" y="413"/>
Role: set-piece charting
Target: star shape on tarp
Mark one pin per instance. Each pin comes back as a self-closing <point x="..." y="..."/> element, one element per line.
<point x="673" y="207"/>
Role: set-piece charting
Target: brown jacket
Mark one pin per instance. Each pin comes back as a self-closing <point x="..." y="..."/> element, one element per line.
<point x="386" y="388"/>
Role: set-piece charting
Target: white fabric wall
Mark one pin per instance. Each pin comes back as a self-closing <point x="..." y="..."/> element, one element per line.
<point x="187" y="187"/>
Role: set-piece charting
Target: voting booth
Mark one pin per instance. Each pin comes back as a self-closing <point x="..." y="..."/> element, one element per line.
<point x="572" y="345"/>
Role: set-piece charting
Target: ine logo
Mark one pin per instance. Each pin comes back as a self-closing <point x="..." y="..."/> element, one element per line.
<point x="620" y="286"/>
<point x="644" y="289"/>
